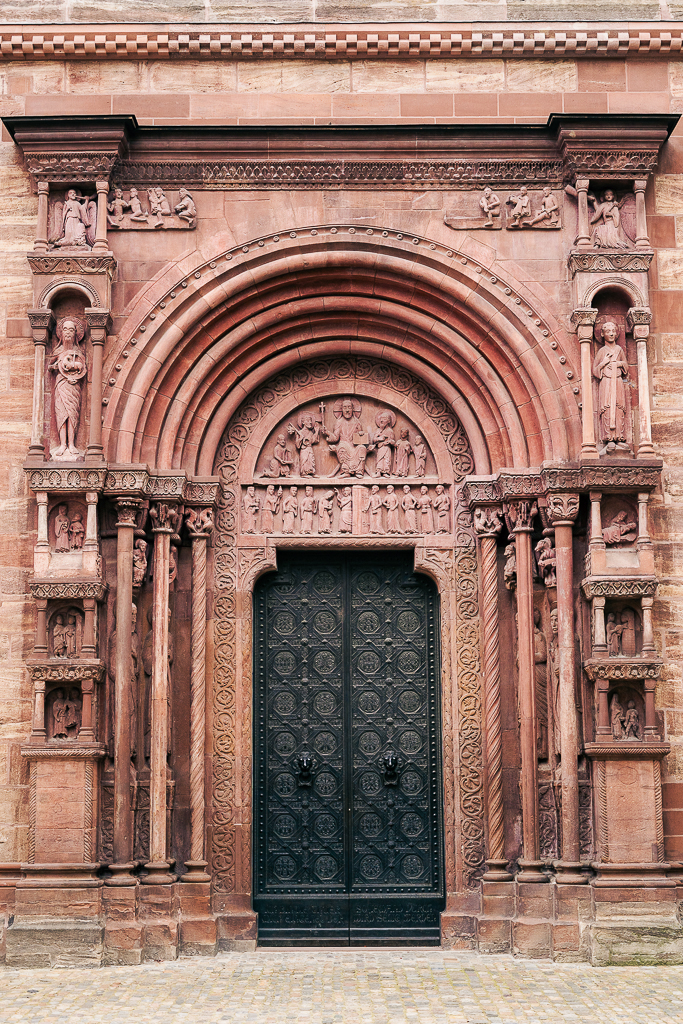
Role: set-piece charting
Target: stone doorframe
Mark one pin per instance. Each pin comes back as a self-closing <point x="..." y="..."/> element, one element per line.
<point x="239" y="560"/>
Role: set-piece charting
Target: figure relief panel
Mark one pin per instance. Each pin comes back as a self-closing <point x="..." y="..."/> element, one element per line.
<point x="346" y="465"/>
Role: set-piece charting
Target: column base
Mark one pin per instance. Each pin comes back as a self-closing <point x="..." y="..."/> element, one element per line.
<point x="496" y="871"/>
<point x="159" y="873"/>
<point x="122" y="874"/>
<point x="531" y="871"/>
<point x="569" y="873"/>
<point x="194" y="871"/>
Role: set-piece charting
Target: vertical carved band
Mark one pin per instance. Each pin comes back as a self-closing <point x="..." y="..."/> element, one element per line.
<point x="88" y="769"/>
<point x="198" y="695"/>
<point x="602" y="803"/>
<point x="32" y="812"/>
<point x="659" y="820"/>
<point x="492" y="719"/>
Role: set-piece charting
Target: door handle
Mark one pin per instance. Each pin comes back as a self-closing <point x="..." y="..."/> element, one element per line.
<point x="304" y="766"/>
<point x="390" y="765"/>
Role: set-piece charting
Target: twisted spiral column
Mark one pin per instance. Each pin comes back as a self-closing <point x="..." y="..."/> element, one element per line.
<point x="492" y="717"/>
<point x="195" y="867"/>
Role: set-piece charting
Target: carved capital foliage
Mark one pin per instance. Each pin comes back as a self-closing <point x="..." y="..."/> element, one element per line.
<point x="80" y="166"/>
<point x="583" y="316"/>
<point x="127" y="510"/>
<point x="487" y="520"/>
<point x="638" y="319"/>
<point x="644" y="586"/>
<point x="129" y="481"/>
<point x="201" y="492"/>
<point x="200" y="522"/>
<point x="519" y="516"/>
<point x="166" y="517"/>
<point x="605" y="262"/>
<point x="481" y="491"/>
<point x="41" y="321"/>
<point x="562" y="509"/>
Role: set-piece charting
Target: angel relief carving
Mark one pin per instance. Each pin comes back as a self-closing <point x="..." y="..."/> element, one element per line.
<point x="74" y="221"/>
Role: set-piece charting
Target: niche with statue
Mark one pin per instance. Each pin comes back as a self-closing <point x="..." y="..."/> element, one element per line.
<point x="627" y="713"/>
<point x="623" y="630"/>
<point x="63" y="712"/>
<point x="65" y="632"/>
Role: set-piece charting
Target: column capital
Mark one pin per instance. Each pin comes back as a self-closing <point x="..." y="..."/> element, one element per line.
<point x="166" y="517"/>
<point x="488" y="520"/>
<point x="638" y="319"/>
<point x="128" y="510"/>
<point x="583" y="321"/>
<point x="99" y="322"/>
<point x="41" y="320"/>
<point x="200" y="522"/>
<point x="562" y="509"/>
<point x="519" y="515"/>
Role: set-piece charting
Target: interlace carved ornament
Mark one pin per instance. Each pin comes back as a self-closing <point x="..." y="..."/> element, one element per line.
<point x="236" y="569"/>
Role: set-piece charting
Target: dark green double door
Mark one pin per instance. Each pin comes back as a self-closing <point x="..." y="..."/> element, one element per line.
<point x="347" y="781"/>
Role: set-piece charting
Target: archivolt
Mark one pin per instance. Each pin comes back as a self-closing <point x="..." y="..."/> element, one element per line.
<point x="198" y="344"/>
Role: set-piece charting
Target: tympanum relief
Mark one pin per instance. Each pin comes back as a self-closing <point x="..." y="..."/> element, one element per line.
<point x="334" y="463"/>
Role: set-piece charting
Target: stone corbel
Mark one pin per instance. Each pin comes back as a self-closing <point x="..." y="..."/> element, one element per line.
<point x="583" y="320"/>
<point x="638" y="320"/>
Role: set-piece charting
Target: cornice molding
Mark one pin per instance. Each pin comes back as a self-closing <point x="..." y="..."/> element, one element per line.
<point x="334" y="42"/>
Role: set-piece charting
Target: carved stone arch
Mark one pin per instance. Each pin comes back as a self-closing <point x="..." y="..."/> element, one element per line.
<point x="240" y="560"/>
<point x="622" y="284"/>
<point x="67" y="284"/>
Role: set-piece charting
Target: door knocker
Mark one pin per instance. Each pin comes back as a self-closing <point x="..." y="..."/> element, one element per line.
<point x="304" y="766"/>
<point x="389" y="765"/>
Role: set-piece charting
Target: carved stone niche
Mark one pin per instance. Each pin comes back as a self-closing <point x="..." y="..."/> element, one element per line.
<point x="66" y="533"/>
<point x="623" y="629"/>
<point x="619" y="521"/>
<point x="65" y="632"/>
<point x="627" y="713"/>
<point x="64" y="712"/>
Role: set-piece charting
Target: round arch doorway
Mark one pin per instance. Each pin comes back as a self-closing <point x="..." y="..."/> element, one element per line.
<point x="348" y="835"/>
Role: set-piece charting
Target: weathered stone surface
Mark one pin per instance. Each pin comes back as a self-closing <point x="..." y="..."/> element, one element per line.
<point x="42" y="942"/>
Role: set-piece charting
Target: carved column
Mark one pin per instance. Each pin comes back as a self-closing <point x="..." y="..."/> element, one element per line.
<point x="487" y="523"/>
<point x="642" y="239"/>
<point x="583" y="320"/>
<point x="123" y="812"/>
<point x="164" y="517"/>
<point x="583" y="240"/>
<point x="200" y="525"/>
<point x="562" y="510"/>
<point x="639" y="320"/>
<point x="41" y="321"/>
<point x="98" y="320"/>
<point x="519" y="517"/>
<point x="101" y="226"/>
<point x="40" y="244"/>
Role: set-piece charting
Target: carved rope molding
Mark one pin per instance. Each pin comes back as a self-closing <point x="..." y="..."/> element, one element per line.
<point x="322" y="42"/>
<point x="458" y="574"/>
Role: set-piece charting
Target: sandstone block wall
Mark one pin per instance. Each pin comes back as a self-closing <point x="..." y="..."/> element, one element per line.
<point x="299" y="92"/>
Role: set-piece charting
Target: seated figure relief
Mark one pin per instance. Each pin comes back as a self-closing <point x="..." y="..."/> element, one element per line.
<point x="365" y="439"/>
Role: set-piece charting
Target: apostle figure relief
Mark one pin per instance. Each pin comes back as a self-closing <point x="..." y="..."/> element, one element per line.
<point x="68" y="364"/>
<point x="340" y="470"/>
<point x="610" y="370"/>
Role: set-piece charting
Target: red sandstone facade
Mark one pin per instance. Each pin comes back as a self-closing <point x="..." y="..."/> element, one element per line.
<point x="455" y="337"/>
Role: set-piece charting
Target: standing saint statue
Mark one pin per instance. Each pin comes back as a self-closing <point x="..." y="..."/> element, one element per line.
<point x="69" y="366"/>
<point x="611" y="369"/>
<point x="307" y="433"/>
<point x="384" y="441"/>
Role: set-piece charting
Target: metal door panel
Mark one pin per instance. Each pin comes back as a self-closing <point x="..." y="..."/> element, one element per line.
<point x="347" y="843"/>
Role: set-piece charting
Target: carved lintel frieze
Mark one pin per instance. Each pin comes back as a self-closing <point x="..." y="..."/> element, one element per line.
<point x="65" y="672"/>
<point x="623" y="669"/>
<point x="94" y="752"/>
<point x="73" y="479"/>
<point x="59" y="263"/>
<point x="126" y="480"/>
<point x="51" y="590"/>
<point x="620" y="751"/>
<point x="596" y="586"/>
<point x="610" y="262"/>
<point x="481" y="491"/>
<point x="487" y="520"/>
<point x="201" y="491"/>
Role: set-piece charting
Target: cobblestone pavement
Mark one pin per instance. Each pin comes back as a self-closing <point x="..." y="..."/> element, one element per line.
<point x="336" y="987"/>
